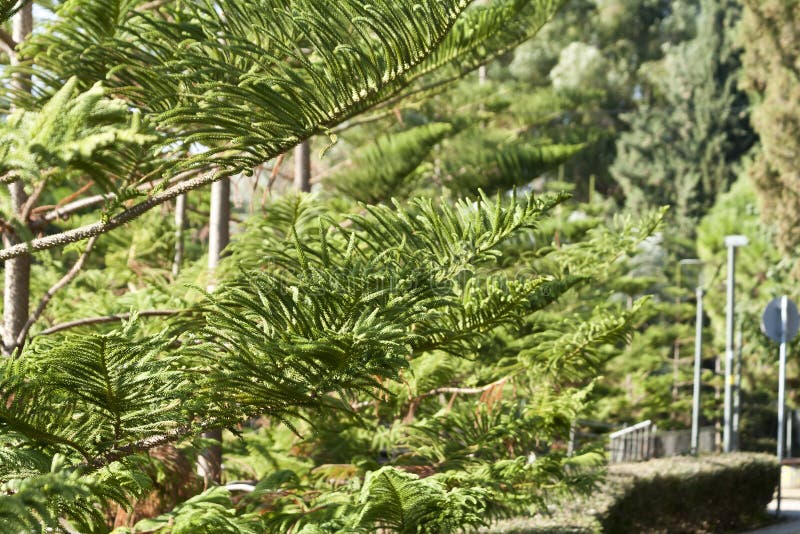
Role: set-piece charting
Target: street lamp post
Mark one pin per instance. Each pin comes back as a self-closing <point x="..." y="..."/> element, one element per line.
<point x="737" y="390"/>
<point x="731" y="242"/>
<point x="698" y="349"/>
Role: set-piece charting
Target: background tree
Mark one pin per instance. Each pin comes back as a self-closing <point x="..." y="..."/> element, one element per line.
<point x="17" y="272"/>
<point x="686" y="139"/>
<point x="589" y="66"/>
<point x="771" y="43"/>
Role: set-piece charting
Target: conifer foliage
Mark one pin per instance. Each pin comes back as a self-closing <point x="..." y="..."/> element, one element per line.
<point x="324" y="63"/>
<point x="771" y="45"/>
<point x="686" y="142"/>
<point x="324" y="308"/>
<point x="335" y="316"/>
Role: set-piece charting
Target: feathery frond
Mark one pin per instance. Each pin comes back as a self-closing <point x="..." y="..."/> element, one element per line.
<point x="403" y="503"/>
<point x="78" y="132"/>
<point x="109" y="392"/>
<point x="211" y="511"/>
<point x="383" y="169"/>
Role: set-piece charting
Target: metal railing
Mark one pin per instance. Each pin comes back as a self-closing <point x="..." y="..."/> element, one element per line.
<point x="633" y="443"/>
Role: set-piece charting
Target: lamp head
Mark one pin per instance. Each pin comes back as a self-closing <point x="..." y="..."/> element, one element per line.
<point x="735" y="241"/>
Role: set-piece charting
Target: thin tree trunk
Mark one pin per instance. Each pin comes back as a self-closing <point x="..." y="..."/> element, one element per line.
<point x="219" y="223"/>
<point x="22" y="27"/>
<point x="16" y="294"/>
<point x="302" y="167"/>
<point x="180" y="225"/>
<point x="210" y="461"/>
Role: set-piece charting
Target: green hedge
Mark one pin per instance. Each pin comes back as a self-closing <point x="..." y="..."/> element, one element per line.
<point x="684" y="494"/>
<point x="715" y="493"/>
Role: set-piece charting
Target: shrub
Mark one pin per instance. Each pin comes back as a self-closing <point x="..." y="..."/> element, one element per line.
<point x="686" y="494"/>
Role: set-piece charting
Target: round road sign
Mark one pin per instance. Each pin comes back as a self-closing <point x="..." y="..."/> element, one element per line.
<point x="771" y="323"/>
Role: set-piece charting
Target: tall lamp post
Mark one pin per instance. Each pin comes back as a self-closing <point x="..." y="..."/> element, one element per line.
<point x="731" y="242"/>
<point x="698" y="349"/>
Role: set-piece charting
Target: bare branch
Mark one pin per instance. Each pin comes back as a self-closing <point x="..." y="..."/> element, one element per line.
<point x="66" y="210"/>
<point x="465" y="391"/>
<point x="143" y="445"/>
<point x="154" y="4"/>
<point x="366" y="119"/>
<point x="275" y="171"/>
<point x="45" y="300"/>
<point x="438" y="391"/>
<point x="180" y="224"/>
<point x="105" y="319"/>
<point x="75" y="194"/>
<point x="101" y="227"/>
<point x="7" y="43"/>
<point x="25" y="213"/>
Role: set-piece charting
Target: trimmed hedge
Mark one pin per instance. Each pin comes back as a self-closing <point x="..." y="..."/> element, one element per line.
<point x="683" y="494"/>
<point x="714" y="493"/>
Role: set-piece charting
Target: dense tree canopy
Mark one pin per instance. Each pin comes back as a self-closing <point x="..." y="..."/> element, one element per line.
<point x="471" y="260"/>
<point x="771" y="45"/>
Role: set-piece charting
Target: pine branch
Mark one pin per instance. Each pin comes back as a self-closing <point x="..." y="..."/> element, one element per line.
<point x="106" y="319"/>
<point x="391" y="82"/>
<point x="148" y="443"/>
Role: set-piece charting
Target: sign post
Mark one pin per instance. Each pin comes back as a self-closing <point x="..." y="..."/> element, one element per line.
<point x="780" y="323"/>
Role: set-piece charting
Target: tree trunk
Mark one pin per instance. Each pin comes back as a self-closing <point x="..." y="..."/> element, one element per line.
<point x="302" y="167"/>
<point x="180" y="225"/>
<point x="16" y="293"/>
<point x="210" y="461"/>
<point x="219" y="223"/>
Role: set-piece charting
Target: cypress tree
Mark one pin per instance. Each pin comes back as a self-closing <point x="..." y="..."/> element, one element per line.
<point x="684" y="146"/>
<point x="771" y="40"/>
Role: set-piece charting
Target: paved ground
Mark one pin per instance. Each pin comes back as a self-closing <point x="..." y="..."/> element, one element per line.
<point x="790" y="512"/>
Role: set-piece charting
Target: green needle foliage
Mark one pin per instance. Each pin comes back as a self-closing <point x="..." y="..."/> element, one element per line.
<point x="111" y="393"/>
<point x="73" y="135"/>
<point x="211" y="511"/>
<point x="8" y="8"/>
<point x="296" y="70"/>
<point x="483" y="162"/>
<point x="328" y="318"/>
<point x="401" y="502"/>
<point x="383" y="169"/>
<point x="422" y="334"/>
